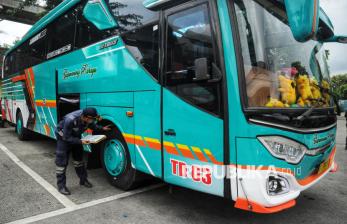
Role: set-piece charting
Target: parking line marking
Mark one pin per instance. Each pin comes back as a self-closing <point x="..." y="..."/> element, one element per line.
<point x="84" y="205"/>
<point x="52" y="190"/>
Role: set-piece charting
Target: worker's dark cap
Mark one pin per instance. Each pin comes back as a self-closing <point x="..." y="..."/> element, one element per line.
<point x="90" y="112"/>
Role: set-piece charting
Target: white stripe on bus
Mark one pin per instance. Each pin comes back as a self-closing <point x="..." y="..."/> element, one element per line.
<point x="102" y="53"/>
<point x="102" y="41"/>
<point x="6" y="84"/>
<point x="38" y="115"/>
<point x="44" y="115"/>
<point x="5" y="80"/>
<point x="14" y="91"/>
<point x="50" y="113"/>
<point x="145" y="161"/>
<point x="12" y="87"/>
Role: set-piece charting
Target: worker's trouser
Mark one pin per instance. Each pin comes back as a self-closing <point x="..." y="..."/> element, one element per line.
<point x="62" y="159"/>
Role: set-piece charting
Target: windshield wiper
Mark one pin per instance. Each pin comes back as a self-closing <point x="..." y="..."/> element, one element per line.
<point x="333" y="96"/>
<point x="305" y="115"/>
<point x="277" y="116"/>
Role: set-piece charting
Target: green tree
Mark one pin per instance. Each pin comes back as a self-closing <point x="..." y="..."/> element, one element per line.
<point x="344" y="92"/>
<point x="48" y="5"/>
<point x="125" y="21"/>
<point x="51" y="4"/>
<point x="339" y="85"/>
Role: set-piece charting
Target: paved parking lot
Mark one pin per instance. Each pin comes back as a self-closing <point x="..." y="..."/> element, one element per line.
<point x="27" y="194"/>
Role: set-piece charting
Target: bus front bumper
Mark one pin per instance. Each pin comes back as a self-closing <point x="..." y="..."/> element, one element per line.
<point x="253" y="188"/>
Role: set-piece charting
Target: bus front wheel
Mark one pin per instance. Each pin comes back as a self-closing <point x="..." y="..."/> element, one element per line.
<point x="22" y="133"/>
<point x="116" y="163"/>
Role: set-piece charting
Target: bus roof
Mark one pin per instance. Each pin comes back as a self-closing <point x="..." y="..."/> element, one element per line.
<point x="44" y="21"/>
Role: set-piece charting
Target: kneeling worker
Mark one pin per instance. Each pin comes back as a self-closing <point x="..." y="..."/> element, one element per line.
<point x="69" y="132"/>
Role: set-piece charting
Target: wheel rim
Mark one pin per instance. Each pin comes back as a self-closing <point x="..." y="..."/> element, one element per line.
<point x="19" y="126"/>
<point x="114" y="157"/>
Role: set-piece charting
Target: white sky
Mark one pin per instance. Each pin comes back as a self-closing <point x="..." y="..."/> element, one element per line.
<point x="10" y="31"/>
<point x="336" y="10"/>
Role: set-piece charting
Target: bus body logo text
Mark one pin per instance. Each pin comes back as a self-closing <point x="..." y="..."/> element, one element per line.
<point x="197" y="173"/>
<point x="85" y="70"/>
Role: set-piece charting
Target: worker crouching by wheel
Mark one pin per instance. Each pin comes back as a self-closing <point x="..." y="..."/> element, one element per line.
<point x="69" y="132"/>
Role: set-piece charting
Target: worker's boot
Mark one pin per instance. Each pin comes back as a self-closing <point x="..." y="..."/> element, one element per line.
<point x="64" y="190"/>
<point x="86" y="183"/>
<point x="61" y="180"/>
<point x="82" y="174"/>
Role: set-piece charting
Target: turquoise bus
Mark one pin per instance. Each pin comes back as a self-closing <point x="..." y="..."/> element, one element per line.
<point x="226" y="97"/>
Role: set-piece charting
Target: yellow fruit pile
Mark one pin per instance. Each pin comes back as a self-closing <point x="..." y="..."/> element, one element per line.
<point x="300" y="91"/>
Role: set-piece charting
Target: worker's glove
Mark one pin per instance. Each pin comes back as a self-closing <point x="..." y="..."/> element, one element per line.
<point x="107" y="128"/>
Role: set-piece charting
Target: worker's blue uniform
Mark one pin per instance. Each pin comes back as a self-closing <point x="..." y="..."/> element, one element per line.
<point x="69" y="132"/>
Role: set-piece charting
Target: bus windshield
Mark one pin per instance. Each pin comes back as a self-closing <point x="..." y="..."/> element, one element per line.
<point x="279" y="72"/>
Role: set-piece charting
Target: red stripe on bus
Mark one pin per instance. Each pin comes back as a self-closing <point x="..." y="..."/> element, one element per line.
<point x="32" y="79"/>
<point x="243" y="203"/>
<point x="129" y="140"/>
<point x="315" y="176"/>
<point x="18" y="78"/>
<point x="47" y="129"/>
<point x="30" y="90"/>
<point x="185" y="151"/>
<point x="140" y="142"/>
<point x="153" y="145"/>
<point x="171" y="149"/>
<point x="51" y="104"/>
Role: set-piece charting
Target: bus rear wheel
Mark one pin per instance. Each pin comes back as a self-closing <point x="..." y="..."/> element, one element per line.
<point x="116" y="162"/>
<point x="22" y="133"/>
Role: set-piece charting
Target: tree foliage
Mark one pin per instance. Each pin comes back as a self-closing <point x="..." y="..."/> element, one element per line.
<point x="51" y="4"/>
<point x="339" y="85"/>
<point x="48" y="5"/>
<point x="125" y="21"/>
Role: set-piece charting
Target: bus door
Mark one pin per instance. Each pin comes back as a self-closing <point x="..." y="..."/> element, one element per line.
<point x="193" y="132"/>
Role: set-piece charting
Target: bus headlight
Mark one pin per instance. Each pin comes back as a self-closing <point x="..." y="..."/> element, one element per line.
<point x="284" y="148"/>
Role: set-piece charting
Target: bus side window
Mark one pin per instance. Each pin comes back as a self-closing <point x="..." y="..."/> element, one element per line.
<point x="86" y="32"/>
<point x="7" y="66"/>
<point x="31" y="52"/>
<point x="61" y="35"/>
<point x="143" y="43"/>
<point x="21" y="58"/>
<point x="37" y="50"/>
<point x="190" y="39"/>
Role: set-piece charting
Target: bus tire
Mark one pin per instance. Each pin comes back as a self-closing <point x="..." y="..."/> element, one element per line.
<point x="116" y="162"/>
<point x="2" y="123"/>
<point x="22" y="133"/>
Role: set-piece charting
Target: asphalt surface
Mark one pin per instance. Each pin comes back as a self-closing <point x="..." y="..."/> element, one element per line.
<point x="23" y="199"/>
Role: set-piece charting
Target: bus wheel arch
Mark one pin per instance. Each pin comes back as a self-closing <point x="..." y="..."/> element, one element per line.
<point x="115" y="159"/>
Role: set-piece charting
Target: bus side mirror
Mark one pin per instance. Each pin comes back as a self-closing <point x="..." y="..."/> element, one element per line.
<point x="97" y="12"/>
<point x="341" y="39"/>
<point x="201" y="69"/>
<point x="303" y="18"/>
<point x="336" y="39"/>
